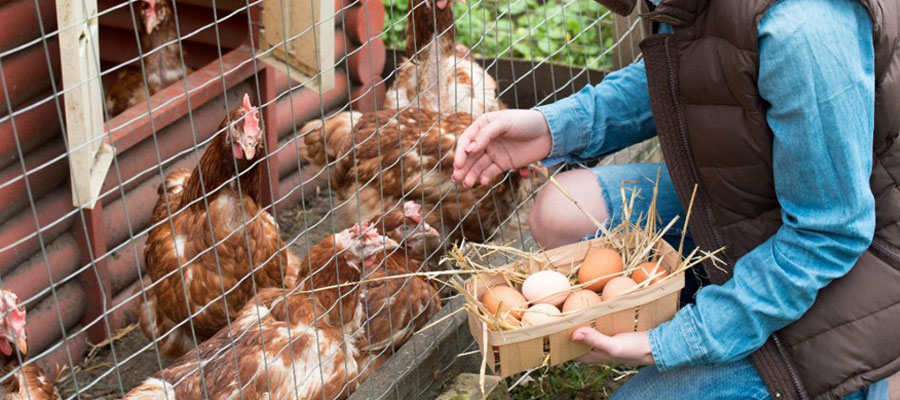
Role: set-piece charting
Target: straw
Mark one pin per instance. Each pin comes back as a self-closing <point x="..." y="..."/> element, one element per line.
<point x="637" y="241"/>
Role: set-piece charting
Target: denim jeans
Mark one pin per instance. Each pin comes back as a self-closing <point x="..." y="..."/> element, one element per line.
<point x="735" y="380"/>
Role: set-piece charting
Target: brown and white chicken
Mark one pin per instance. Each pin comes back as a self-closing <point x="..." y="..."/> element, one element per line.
<point x="294" y="344"/>
<point x="161" y="61"/>
<point x="395" y="155"/>
<point x="439" y="74"/>
<point x="211" y="236"/>
<point x="18" y="382"/>
<point x="396" y="307"/>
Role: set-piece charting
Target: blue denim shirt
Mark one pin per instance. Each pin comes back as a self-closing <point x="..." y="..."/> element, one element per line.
<point x="817" y="76"/>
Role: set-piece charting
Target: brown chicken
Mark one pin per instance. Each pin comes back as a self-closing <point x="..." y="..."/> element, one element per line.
<point x="290" y="344"/>
<point x="396" y="308"/>
<point x="190" y="269"/>
<point x="162" y="61"/>
<point x="390" y="156"/>
<point x="23" y="382"/>
<point x="439" y="74"/>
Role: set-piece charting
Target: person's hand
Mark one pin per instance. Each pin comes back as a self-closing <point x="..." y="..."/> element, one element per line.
<point x="629" y="348"/>
<point x="500" y="141"/>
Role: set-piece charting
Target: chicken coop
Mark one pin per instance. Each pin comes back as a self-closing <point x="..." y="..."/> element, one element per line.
<point x="184" y="182"/>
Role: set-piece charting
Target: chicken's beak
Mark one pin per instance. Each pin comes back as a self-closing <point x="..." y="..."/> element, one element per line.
<point x="390" y="244"/>
<point x="423" y="230"/>
<point x="22" y="344"/>
<point x="249" y="150"/>
<point x="150" y="22"/>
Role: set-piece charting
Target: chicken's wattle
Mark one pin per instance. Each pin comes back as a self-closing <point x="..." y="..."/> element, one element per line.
<point x="238" y="153"/>
<point x="369" y="261"/>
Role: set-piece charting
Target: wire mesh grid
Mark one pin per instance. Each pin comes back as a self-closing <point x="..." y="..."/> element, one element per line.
<point x="211" y="263"/>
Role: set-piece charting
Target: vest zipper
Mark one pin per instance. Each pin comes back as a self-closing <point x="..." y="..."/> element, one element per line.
<point x="782" y="353"/>
<point x="883" y="250"/>
<point x="707" y="212"/>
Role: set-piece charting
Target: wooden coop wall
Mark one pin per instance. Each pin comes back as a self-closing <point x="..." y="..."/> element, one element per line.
<point x="44" y="255"/>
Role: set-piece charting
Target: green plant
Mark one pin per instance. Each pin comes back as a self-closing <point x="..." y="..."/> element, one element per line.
<point x="569" y="381"/>
<point x="574" y="32"/>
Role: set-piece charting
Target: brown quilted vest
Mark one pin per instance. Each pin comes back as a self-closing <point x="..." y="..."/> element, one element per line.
<point x="851" y="335"/>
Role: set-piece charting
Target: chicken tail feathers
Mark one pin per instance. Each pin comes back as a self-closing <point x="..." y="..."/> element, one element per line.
<point x="325" y="140"/>
<point x="152" y="389"/>
<point x="172" y="343"/>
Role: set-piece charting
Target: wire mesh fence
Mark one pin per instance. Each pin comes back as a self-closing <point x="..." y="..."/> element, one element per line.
<point x="248" y="229"/>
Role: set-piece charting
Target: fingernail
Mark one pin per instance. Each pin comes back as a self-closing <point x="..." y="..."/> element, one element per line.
<point x="578" y="336"/>
<point x="470" y="147"/>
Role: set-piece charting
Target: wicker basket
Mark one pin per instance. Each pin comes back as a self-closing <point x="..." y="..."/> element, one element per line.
<point x="518" y="350"/>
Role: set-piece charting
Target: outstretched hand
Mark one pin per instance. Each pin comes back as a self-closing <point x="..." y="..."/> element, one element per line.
<point x="629" y="348"/>
<point x="498" y="142"/>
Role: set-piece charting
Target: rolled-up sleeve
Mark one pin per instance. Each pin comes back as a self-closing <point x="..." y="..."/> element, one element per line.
<point x="818" y="78"/>
<point x="601" y="119"/>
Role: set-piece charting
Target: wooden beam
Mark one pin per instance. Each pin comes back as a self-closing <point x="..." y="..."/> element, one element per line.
<point x="298" y="38"/>
<point x="89" y="155"/>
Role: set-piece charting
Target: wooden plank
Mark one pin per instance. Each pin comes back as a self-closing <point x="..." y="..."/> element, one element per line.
<point x="89" y="156"/>
<point x="563" y="348"/>
<point x="90" y="234"/>
<point x="521" y="356"/>
<point x="269" y="109"/>
<point x="657" y="312"/>
<point x="615" y="323"/>
<point x="294" y="41"/>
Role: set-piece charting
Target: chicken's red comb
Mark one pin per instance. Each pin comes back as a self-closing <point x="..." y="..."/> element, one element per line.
<point x="413" y="211"/>
<point x="251" y="119"/>
<point x="9" y="308"/>
<point x="363" y="230"/>
<point x="151" y="3"/>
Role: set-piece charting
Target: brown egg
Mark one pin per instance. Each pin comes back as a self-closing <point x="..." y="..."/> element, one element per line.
<point x="581" y="299"/>
<point x="616" y="286"/>
<point x="510" y="298"/>
<point x="538" y="314"/>
<point x="598" y="263"/>
<point x="644" y="270"/>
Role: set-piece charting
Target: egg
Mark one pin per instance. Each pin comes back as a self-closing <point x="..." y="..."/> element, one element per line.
<point x="616" y="286"/>
<point x="513" y="303"/>
<point x="598" y="263"/>
<point x="540" y="314"/>
<point x="581" y="299"/>
<point x="539" y="287"/>
<point x="643" y="272"/>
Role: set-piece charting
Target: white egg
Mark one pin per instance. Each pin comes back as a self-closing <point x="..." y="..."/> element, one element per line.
<point x="539" y="287"/>
<point x="540" y="314"/>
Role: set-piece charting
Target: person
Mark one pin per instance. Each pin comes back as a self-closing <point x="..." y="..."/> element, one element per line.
<point x="785" y="115"/>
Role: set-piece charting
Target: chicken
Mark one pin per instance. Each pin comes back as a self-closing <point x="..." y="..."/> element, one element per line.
<point x="390" y="156"/>
<point x="438" y="73"/>
<point x="296" y="344"/>
<point x="189" y="268"/>
<point x="19" y="382"/>
<point x="162" y="61"/>
<point x="396" y="308"/>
